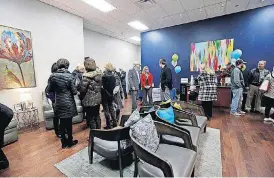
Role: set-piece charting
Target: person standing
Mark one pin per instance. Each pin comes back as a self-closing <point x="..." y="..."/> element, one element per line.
<point x="134" y="82"/>
<point x="147" y="84"/>
<point x="62" y="84"/>
<point x="6" y="115"/>
<point x="123" y="81"/>
<point x="118" y="94"/>
<point x="268" y="98"/>
<point x="237" y="85"/>
<point x="90" y="93"/>
<point x="108" y="85"/>
<point x="208" y="90"/>
<point x="51" y="96"/>
<point x="166" y="79"/>
<point x="255" y="79"/>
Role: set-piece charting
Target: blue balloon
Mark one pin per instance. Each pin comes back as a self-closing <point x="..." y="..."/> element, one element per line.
<point x="236" y="54"/>
<point x="178" y="69"/>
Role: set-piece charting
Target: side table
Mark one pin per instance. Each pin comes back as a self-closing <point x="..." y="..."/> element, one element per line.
<point x="27" y="119"/>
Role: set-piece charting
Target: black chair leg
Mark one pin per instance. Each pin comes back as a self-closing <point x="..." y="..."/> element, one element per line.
<point x="205" y="129"/>
<point x="192" y="174"/>
<point x="90" y="148"/>
<point x="120" y="159"/>
<point x="135" y="165"/>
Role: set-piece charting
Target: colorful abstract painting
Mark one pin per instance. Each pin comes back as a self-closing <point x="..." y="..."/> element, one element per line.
<point x="16" y="59"/>
<point x="211" y="53"/>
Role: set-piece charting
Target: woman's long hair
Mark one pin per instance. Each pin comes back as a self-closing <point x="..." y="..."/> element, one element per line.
<point x="144" y="69"/>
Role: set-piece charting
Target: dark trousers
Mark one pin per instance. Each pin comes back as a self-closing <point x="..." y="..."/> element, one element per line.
<point x="207" y="106"/>
<point x="4" y="122"/>
<point x="93" y="116"/>
<point x="55" y="122"/>
<point x="66" y="128"/>
<point x="268" y="102"/>
<point x="125" y="91"/>
<point x="109" y="112"/>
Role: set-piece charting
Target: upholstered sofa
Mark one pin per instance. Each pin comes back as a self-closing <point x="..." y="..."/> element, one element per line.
<point x="11" y="132"/>
<point x="49" y="114"/>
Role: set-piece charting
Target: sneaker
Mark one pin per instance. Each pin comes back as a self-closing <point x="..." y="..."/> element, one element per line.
<point x="241" y="112"/>
<point x="235" y="114"/>
<point x="269" y="119"/>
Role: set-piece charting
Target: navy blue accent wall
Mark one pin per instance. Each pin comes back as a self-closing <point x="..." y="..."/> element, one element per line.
<point x="253" y="33"/>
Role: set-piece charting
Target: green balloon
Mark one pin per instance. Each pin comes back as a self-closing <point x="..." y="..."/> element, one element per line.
<point x="175" y="57"/>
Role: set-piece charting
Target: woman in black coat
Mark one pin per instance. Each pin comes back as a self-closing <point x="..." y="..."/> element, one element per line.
<point x="6" y="114"/>
<point x="62" y="84"/>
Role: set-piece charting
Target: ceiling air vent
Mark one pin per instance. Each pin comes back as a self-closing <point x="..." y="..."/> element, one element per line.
<point x="146" y="4"/>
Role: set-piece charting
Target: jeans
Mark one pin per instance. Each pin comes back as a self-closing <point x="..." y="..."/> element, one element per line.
<point x="166" y="94"/>
<point x="147" y="93"/>
<point x="236" y="100"/>
<point x="109" y="112"/>
<point x="134" y="95"/>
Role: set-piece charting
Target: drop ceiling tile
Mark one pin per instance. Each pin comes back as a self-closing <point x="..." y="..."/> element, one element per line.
<point x="258" y="3"/>
<point x="233" y="6"/>
<point x="78" y="5"/>
<point x="180" y="18"/>
<point x="215" y="10"/>
<point x="70" y="10"/>
<point x="173" y="7"/>
<point x="162" y="1"/>
<point x="211" y="2"/>
<point x="126" y="6"/>
<point x="61" y="1"/>
<point x="192" y="4"/>
<point x="156" y="12"/>
<point x="52" y="3"/>
<point x="145" y="5"/>
<point x="197" y="14"/>
<point x="165" y="21"/>
<point x="120" y="15"/>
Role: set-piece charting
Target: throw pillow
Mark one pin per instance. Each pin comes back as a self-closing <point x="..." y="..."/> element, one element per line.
<point x="144" y="131"/>
<point x="167" y="114"/>
<point x="133" y="118"/>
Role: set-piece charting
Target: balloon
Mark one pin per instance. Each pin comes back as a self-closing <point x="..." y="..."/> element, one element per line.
<point x="236" y="54"/>
<point x="233" y="61"/>
<point x="243" y="68"/>
<point x="175" y="57"/>
<point x="178" y="69"/>
<point x="174" y="63"/>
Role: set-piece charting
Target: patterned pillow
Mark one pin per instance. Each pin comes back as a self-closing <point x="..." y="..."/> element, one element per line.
<point x="144" y="131"/>
<point x="134" y="117"/>
<point x="167" y="114"/>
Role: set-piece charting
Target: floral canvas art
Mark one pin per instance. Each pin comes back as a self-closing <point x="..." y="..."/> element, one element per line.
<point x="16" y="59"/>
<point x="214" y="54"/>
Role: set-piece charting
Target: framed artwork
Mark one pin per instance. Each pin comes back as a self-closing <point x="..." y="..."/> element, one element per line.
<point x="214" y="54"/>
<point x="16" y="59"/>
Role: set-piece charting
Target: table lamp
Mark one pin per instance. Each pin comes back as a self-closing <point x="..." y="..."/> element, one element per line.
<point x="25" y="100"/>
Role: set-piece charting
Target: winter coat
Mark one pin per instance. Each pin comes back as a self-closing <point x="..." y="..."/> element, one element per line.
<point x="90" y="88"/>
<point x="119" y="95"/>
<point x="62" y="84"/>
<point x="5" y="112"/>
<point x="254" y="76"/>
<point x="208" y="87"/>
<point x="108" y="83"/>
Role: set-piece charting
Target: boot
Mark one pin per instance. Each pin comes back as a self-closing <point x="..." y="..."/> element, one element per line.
<point x="64" y="143"/>
<point x="72" y="143"/>
<point x="4" y="163"/>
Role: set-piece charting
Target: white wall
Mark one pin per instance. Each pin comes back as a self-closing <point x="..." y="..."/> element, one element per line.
<point x="105" y="49"/>
<point x="55" y="34"/>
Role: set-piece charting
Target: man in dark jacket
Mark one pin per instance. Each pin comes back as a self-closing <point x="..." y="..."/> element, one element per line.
<point x="62" y="84"/>
<point x="108" y="83"/>
<point x="166" y="79"/>
<point x="255" y="79"/>
<point x="90" y="93"/>
<point x="6" y="114"/>
<point x="123" y="81"/>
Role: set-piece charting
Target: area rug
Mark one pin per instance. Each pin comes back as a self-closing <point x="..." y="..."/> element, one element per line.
<point x="208" y="162"/>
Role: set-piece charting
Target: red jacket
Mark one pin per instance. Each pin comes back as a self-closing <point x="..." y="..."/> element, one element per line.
<point x="143" y="80"/>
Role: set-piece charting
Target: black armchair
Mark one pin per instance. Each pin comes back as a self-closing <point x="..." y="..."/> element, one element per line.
<point x="107" y="143"/>
<point x="168" y="160"/>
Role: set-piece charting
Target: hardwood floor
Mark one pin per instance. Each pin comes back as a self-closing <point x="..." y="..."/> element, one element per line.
<point x="247" y="148"/>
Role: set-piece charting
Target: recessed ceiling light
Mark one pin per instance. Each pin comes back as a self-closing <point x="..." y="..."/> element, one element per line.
<point x="138" y="25"/>
<point x="136" y="38"/>
<point x="101" y="5"/>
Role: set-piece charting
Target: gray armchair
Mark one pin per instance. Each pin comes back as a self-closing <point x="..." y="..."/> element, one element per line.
<point x="49" y="114"/>
<point x="11" y="132"/>
<point x="168" y="160"/>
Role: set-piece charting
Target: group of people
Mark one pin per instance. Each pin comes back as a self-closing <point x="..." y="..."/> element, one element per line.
<point x="94" y="88"/>
<point x="208" y="89"/>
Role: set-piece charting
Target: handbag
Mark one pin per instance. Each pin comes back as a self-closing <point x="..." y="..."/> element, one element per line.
<point x="265" y="86"/>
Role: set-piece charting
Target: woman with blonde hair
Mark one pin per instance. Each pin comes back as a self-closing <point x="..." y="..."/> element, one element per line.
<point x="108" y="85"/>
<point x="208" y="89"/>
<point x="147" y="84"/>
